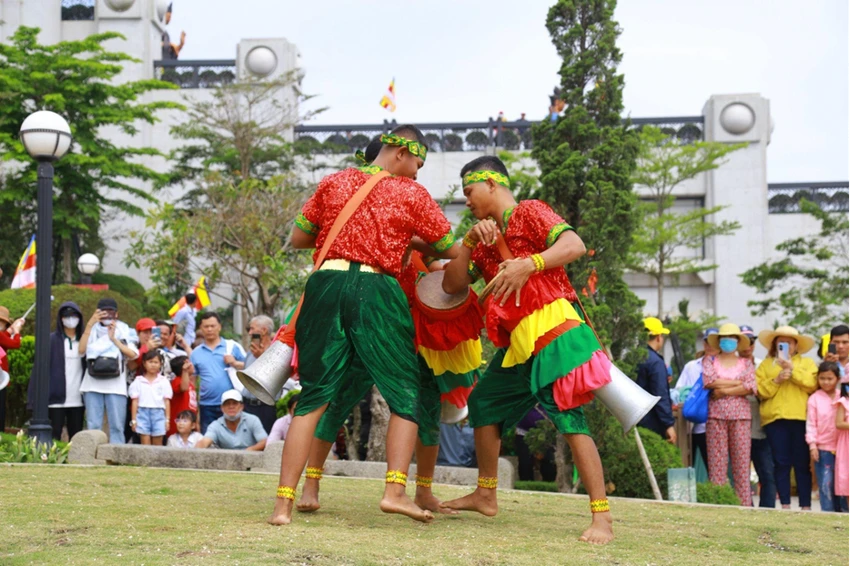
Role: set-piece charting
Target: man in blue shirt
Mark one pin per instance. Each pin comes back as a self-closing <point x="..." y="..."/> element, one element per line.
<point x="213" y="359"/>
<point x="235" y="429"/>
<point x="652" y="376"/>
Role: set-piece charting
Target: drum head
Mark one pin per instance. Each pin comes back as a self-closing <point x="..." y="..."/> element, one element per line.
<point x="430" y="293"/>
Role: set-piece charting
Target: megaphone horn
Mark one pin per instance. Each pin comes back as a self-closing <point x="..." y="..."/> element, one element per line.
<point x="625" y="399"/>
<point x="267" y="376"/>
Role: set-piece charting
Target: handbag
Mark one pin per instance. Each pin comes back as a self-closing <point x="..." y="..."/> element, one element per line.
<point x="104" y="368"/>
<point x="695" y="408"/>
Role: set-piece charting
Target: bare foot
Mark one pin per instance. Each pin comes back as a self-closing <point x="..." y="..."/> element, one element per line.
<point x="402" y="505"/>
<point x="282" y="514"/>
<point x="426" y="500"/>
<point x="600" y="531"/>
<point x="309" y="501"/>
<point x="480" y="500"/>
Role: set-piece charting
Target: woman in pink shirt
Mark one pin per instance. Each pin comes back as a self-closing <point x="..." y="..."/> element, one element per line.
<point x="821" y="432"/>
<point x="727" y="432"/>
<point x="842" y="453"/>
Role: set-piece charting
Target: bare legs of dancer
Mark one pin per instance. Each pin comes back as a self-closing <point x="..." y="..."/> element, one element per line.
<point x="586" y="457"/>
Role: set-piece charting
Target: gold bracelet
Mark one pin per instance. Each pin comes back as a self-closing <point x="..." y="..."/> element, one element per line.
<point x="423" y="481"/>
<point x="285" y="492"/>
<point x="467" y="241"/>
<point x="314" y="473"/>
<point x="395" y="476"/>
<point x="488" y="483"/>
<point x="599" y="506"/>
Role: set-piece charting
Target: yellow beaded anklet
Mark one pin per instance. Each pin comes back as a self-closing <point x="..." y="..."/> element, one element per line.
<point x="599" y="506"/>
<point x="285" y="492"/>
<point x="423" y="481"/>
<point x="488" y="483"/>
<point x="314" y="473"/>
<point x="394" y="476"/>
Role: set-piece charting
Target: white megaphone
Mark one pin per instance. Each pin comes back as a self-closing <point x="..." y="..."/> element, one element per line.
<point x="451" y="414"/>
<point x="625" y="399"/>
<point x="267" y="376"/>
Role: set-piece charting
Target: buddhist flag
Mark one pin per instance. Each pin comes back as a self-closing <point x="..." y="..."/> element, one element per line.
<point x="388" y="101"/>
<point x="25" y="273"/>
<point x="200" y="291"/>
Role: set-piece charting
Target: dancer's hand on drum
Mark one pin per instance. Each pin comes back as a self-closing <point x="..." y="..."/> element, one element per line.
<point x="484" y="231"/>
<point x="515" y="272"/>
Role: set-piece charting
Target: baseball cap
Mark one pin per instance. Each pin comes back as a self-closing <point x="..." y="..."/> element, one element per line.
<point x="107" y="303"/>
<point x="710" y="331"/>
<point x="655" y="326"/>
<point x="231" y="395"/>
<point x="145" y="324"/>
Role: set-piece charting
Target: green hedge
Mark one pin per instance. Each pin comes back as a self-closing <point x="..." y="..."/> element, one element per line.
<point x="717" y="494"/>
<point x="21" y="360"/>
<point x="536" y="486"/>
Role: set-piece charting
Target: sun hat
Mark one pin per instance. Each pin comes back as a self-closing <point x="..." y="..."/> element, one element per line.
<point x="730" y="329"/>
<point x="804" y="343"/>
<point x="4" y="315"/>
<point x="709" y="331"/>
<point x="655" y="326"/>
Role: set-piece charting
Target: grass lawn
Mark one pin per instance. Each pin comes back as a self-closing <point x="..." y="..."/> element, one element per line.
<point x="125" y="515"/>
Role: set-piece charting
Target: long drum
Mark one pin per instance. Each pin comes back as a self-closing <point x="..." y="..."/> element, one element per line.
<point x="429" y="293"/>
<point x="626" y="400"/>
<point x="267" y="376"/>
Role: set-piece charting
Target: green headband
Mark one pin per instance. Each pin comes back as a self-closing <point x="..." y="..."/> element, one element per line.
<point x="414" y="147"/>
<point x="480" y="176"/>
<point x="360" y="156"/>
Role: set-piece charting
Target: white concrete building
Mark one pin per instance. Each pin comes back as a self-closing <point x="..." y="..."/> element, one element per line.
<point x="766" y="213"/>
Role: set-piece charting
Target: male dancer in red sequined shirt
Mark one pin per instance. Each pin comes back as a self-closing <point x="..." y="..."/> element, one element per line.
<point x="354" y="311"/>
<point x="548" y="355"/>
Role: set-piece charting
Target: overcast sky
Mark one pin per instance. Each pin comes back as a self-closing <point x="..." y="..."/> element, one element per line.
<point x="465" y="60"/>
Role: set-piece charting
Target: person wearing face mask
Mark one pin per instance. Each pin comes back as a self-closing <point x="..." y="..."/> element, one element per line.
<point x="730" y="378"/>
<point x="235" y="429"/>
<point x="107" y="347"/>
<point x="67" y="366"/>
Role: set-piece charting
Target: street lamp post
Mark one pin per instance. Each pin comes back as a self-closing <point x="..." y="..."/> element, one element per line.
<point x="88" y="265"/>
<point x="46" y="137"/>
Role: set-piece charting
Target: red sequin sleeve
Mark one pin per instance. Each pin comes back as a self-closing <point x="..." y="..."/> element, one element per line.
<point x="543" y="225"/>
<point x="310" y="217"/>
<point x="431" y="225"/>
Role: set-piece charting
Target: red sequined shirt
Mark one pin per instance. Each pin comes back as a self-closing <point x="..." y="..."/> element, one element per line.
<point x="531" y="227"/>
<point x="381" y="228"/>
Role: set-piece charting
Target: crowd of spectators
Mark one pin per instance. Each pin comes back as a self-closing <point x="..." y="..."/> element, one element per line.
<point x="778" y="414"/>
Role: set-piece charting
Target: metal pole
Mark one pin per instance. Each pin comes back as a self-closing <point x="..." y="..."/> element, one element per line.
<point x="647" y="466"/>
<point x="40" y="423"/>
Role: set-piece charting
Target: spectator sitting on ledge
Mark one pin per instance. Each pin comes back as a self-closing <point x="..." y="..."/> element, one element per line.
<point x="235" y="430"/>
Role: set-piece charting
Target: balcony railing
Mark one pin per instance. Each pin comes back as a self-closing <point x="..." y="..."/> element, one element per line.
<point x="196" y="74"/>
<point x="784" y="198"/>
<point x="470" y="136"/>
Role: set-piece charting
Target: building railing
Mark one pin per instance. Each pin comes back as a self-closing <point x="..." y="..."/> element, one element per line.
<point x="470" y="136"/>
<point x="76" y="10"/>
<point x="196" y="74"/>
<point x="784" y="198"/>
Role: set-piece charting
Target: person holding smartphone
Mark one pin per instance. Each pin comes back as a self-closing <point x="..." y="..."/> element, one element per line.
<point x="838" y="351"/>
<point x="785" y="381"/>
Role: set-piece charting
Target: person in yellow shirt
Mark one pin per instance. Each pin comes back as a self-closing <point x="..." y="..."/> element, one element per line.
<point x="785" y="381"/>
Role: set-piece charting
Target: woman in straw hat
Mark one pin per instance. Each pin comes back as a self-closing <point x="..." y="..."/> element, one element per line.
<point x="785" y="380"/>
<point x="731" y="378"/>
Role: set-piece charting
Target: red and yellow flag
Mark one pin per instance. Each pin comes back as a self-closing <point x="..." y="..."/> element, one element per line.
<point x="388" y="100"/>
<point x="200" y="291"/>
<point x="25" y="273"/>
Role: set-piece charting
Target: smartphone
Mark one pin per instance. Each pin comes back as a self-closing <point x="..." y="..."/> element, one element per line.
<point x="255" y="338"/>
<point x="831" y="349"/>
<point x="782" y="351"/>
<point x="156" y="332"/>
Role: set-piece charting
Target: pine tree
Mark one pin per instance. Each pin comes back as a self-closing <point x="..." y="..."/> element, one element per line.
<point x="586" y="158"/>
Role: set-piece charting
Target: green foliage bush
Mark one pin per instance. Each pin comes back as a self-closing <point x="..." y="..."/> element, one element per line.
<point x="25" y="449"/>
<point x="21" y="360"/>
<point x="717" y="494"/>
<point x="123" y="285"/>
<point x="536" y="486"/>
